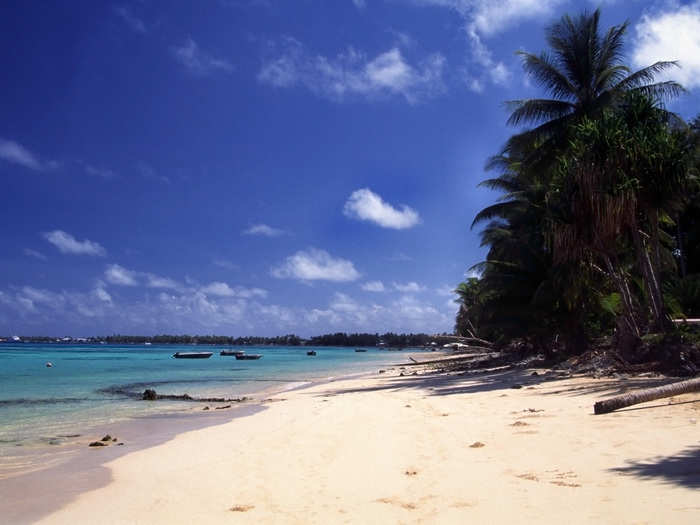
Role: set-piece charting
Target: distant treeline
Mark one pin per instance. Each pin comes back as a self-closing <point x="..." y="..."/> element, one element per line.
<point x="338" y="339"/>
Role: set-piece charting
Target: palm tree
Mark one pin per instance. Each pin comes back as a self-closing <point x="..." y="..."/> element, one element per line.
<point x="584" y="74"/>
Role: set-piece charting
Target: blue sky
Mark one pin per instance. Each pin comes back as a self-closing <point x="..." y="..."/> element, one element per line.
<point x="264" y="166"/>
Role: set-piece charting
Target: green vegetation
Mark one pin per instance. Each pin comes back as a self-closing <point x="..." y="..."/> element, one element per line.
<point x="597" y="231"/>
<point x="389" y="340"/>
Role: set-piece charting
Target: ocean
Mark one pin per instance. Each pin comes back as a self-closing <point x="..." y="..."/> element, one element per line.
<point x="91" y="386"/>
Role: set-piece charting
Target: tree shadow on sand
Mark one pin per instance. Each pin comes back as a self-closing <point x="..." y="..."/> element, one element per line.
<point x="679" y="469"/>
<point x="477" y="381"/>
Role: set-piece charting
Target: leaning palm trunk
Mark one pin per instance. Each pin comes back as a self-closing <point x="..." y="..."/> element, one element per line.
<point x="627" y="300"/>
<point x="648" y="394"/>
<point x="662" y="322"/>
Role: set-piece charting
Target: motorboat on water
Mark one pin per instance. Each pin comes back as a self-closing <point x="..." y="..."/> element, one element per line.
<point x="232" y="352"/>
<point x="192" y="355"/>
<point x="311" y="352"/>
<point x="245" y="356"/>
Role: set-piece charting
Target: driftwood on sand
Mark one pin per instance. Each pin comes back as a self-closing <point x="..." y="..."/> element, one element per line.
<point x="647" y="394"/>
<point x="150" y="395"/>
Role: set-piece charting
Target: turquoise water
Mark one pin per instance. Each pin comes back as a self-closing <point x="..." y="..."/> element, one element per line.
<point x="93" y="385"/>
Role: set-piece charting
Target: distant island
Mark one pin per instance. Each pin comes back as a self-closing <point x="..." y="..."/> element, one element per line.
<point x="389" y="340"/>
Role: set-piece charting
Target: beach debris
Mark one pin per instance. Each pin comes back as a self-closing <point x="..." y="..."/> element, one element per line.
<point x="241" y="508"/>
<point x="477" y="444"/>
<point x="221" y="408"/>
<point x="411" y="472"/>
<point x="382" y="371"/>
<point x="107" y="438"/>
<point x="149" y="395"/>
<point x="412" y="359"/>
<point x="533" y="410"/>
<point x="97" y="444"/>
<point x="519" y="424"/>
<point x="647" y="394"/>
<point x="407" y="406"/>
<point x="517" y="385"/>
<point x="206" y="408"/>
<point x="121" y="443"/>
<point x="114" y="439"/>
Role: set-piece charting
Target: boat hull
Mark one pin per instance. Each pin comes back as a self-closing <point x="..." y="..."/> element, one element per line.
<point x="192" y="355"/>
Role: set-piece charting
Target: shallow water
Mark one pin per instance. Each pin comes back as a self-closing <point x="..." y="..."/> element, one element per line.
<point x="90" y="386"/>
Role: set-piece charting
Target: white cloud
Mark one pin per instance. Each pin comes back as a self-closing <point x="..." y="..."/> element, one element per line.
<point x="489" y="17"/>
<point x="671" y="35"/>
<point x="101" y="293"/>
<point x="222" y="289"/>
<point x="134" y="23"/>
<point x="314" y="264"/>
<point x="46" y="297"/>
<point x="223" y="263"/>
<point x="343" y="303"/>
<point x="352" y="73"/>
<point x="445" y="291"/>
<point x="366" y="205"/>
<point x="156" y="281"/>
<point x="373" y="286"/>
<point x="147" y="172"/>
<point x="197" y="61"/>
<point x="33" y="253"/>
<point x="263" y="229"/>
<point x="120" y="276"/>
<point x="405" y="314"/>
<point x="15" y="153"/>
<point x="99" y="172"/>
<point x="399" y="257"/>
<point x="485" y="19"/>
<point x="66" y="243"/>
<point x="218" y="288"/>
<point x="408" y="287"/>
<point x="410" y="308"/>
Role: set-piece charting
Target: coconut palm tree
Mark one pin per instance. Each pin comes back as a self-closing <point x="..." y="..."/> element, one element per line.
<point x="584" y="74"/>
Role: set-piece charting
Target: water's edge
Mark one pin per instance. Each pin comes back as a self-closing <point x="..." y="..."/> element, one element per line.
<point x="27" y="497"/>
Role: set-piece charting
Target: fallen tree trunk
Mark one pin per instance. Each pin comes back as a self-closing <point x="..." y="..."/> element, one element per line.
<point x="648" y="394"/>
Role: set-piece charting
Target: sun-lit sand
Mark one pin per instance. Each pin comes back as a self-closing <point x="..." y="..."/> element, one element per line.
<point x="427" y="448"/>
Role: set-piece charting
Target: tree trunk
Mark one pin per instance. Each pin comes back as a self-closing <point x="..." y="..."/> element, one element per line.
<point x="627" y="301"/>
<point x="662" y="322"/>
<point x="648" y="394"/>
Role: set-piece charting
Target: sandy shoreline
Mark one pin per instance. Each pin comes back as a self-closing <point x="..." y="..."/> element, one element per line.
<point x="391" y="449"/>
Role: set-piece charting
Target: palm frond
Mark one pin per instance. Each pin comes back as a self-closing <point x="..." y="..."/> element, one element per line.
<point x="645" y="76"/>
<point x="544" y="71"/>
<point x="498" y="210"/>
<point x="660" y="91"/>
<point x="611" y="52"/>
<point x="537" y="110"/>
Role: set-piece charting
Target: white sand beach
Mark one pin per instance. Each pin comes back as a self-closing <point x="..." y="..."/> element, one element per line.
<point x="419" y="449"/>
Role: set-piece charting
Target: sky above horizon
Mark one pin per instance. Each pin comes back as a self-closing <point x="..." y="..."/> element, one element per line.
<point x="265" y="167"/>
